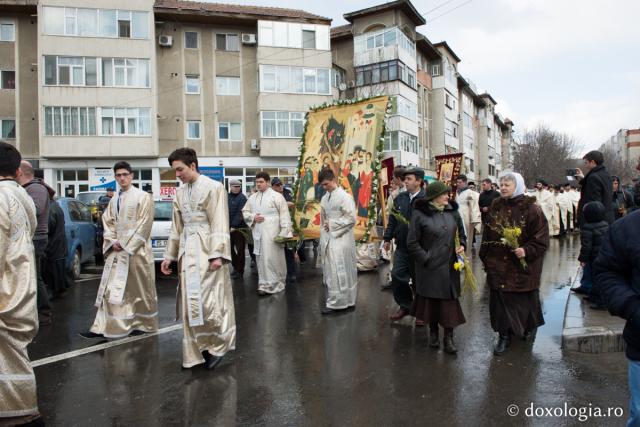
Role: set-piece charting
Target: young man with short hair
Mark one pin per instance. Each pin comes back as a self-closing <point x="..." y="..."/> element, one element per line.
<point x="199" y="242"/>
<point x="486" y="198"/>
<point x="267" y="213"/>
<point x="127" y="301"/>
<point x="18" y="311"/>
<point x="596" y="185"/>
<point x="337" y="244"/>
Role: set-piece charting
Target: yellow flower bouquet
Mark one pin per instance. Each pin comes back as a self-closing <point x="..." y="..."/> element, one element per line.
<point x="509" y="237"/>
<point x="470" y="283"/>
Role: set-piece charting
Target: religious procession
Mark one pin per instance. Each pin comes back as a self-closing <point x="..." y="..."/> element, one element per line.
<point x="352" y="222"/>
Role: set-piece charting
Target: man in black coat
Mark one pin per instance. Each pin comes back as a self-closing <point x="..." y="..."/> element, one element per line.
<point x="596" y="185"/>
<point x="237" y="201"/>
<point x="617" y="275"/>
<point x="398" y="229"/>
<point x="56" y="253"/>
<point x="487" y="196"/>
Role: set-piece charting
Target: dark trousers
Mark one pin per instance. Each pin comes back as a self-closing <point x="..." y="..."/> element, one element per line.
<point x="238" y="243"/>
<point x="401" y="273"/>
<point x="39" y="247"/>
<point x="289" y="256"/>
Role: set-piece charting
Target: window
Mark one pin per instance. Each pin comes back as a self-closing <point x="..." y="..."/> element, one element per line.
<point x="385" y="72"/>
<point x="125" y="121"/>
<point x="193" y="84"/>
<point x="435" y="70"/>
<point x="229" y="42"/>
<point x="71" y="21"/>
<point x="283" y="79"/>
<point x="282" y="124"/>
<point x="69" y="121"/>
<point x="308" y="39"/>
<point x="125" y="72"/>
<point x="7" y="32"/>
<point x="8" y="129"/>
<point x="227" y="85"/>
<point x="70" y="71"/>
<point x="448" y="101"/>
<point x="402" y="106"/>
<point x="7" y="79"/>
<point x="229" y="131"/>
<point x="387" y="37"/>
<point x="190" y="40"/>
<point x="193" y="129"/>
<point x="399" y="140"/>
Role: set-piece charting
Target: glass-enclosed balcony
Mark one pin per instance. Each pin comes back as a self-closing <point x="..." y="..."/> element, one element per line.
<point x="384" y="45"/>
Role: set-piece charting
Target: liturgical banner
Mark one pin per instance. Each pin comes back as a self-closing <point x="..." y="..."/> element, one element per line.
<point x="345" y="138"/>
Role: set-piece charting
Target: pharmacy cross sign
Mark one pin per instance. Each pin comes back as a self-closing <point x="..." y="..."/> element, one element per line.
<point x="103" y="179"/>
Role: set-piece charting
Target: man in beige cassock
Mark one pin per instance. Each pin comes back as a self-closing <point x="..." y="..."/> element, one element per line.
<point x="267" y="214"/>
<point x="546" y="201"/>
<point x="337" y="244"/>
<point x="469" y="207"/>
<point x="565" y="206"/>
<point x="200" y="243"/>
<point x="127" y="301"/>
<point x="18" y="283"/>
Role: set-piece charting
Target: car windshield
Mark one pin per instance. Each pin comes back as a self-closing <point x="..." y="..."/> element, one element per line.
<point x="163" y="211"/>
<point x="90" y="198"/>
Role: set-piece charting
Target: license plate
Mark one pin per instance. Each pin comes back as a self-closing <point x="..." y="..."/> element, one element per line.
<point x="159" y="243"/>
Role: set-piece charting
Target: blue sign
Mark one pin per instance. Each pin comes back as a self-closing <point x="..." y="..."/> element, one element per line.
<point x="104" y="185"/>
<point x="216" y="173"/>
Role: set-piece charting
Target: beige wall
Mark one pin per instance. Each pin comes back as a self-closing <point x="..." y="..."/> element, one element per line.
<point x="27" y="84"/>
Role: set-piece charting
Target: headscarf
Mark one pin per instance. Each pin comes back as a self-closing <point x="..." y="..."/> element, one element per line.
<point x="519" y="180"/>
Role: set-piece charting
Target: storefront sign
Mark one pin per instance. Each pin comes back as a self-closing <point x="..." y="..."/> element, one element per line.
<point x="168" y="192"/>
<point x="215" y="173"/>
<point x="101" y="179"/>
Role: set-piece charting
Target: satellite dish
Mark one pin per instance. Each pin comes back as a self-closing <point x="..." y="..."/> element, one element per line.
<point x="342" y="86"/>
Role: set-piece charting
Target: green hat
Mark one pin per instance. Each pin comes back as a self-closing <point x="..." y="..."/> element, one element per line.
<point x="417" y="172"/>
<point x="435" y="189"/>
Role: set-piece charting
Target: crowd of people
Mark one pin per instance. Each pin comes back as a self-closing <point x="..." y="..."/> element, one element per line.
<point x="430" y="230"/>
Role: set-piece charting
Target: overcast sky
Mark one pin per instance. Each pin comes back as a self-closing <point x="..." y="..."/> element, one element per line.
<point x="572" y="64"/>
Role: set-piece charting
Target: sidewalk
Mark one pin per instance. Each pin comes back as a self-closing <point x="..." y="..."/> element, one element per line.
<point x="590" y="331"/>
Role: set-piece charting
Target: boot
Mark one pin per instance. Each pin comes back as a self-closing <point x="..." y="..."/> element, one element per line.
<point x="449" y="346"/>
<point x="434" y="336"/>
<point x="503" y="343"/>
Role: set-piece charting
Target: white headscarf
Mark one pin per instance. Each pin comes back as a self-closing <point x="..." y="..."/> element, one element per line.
<point x="519" y="180"/>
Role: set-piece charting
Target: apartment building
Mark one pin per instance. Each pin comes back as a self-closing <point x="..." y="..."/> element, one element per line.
<point x="376" y="53"/>
<point x="428" y="58"/>
<point x="85" y="86"/>
<point x="626" y="145"/>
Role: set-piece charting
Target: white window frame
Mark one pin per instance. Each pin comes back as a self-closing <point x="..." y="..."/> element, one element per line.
<point x="198" y="126"/>
<point x="186" y="83"/>
<point x="226" y="41"/>
<point x="72" y="30"/>
<point x="128" y="114"/>
<point x="293" y="116"/>
<point x="53" y="112"/>
<point x="136" y="67"/>
<point x="305" y="72"/>
<point x="197" y="40"/>
<point x="229" y="126"/>
<point x="13" y="31"/>
<point x="223" y="85"/>
<point x="290" y="35"/>
<point x="15" y="127"/>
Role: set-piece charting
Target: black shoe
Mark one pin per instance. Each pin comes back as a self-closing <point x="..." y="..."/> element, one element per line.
<point x="580" y="290"/>
<point x="386" y="286"/>
<point x="504" y="341"/>
<point x="136" y="333"/>
<point x="327" y="310"/>
<point x="434" y="339"/>
<point x="212" y="362"/>
<point x="90" y="335"/>
<point x="529" y="335"/>
<point x="597" y="307"/>
<point x="262" y="293"/>
<point x="449" y="346"/>
<point x="587" y="298"/>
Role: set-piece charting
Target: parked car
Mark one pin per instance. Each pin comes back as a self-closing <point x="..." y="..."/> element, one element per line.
<point x="90" y="198"/>
<point x="81" y="232"/>
<point x="162" y="219"/>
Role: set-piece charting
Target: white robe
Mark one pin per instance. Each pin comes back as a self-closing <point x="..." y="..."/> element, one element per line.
<point x="545" y="200"/>
<point x="127" y="298"/>
<point x="18" y="312"/>
<point x="338" y="248"/>
<point x="469" y="209"/>
<point x="565" y="205"/>
<point x="199" y="234"/>
<point x="272" y="267"/>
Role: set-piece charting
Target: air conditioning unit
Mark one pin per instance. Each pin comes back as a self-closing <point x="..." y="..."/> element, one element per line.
<point x="165" y="41"/>
<point x="248" y="39"/>
<point x="255" y="145"/>
<point x="351" y="83"/>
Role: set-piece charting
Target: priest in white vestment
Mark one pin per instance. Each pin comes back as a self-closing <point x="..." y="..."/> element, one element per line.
<point x="200" y="243"/>
<point x="127" y="301"/>
<point x="337" y="244"/>
<point x="546" y="201"/>
<point x="267" y="214"/>
<point x="565" y="205"/>
<point x="18" y="312"/>
<point x="468" y="202"/>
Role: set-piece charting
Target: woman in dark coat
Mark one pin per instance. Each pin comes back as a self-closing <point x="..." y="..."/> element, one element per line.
<point x="431" y="243"/>
<point x="514" y="300"/>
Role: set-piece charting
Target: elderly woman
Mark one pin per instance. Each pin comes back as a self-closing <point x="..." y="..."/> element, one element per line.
<point x="513" y="275"/>
<point x="431" y="243"/>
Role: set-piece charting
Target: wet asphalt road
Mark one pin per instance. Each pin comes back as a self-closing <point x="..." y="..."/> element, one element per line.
<point x="294" y="367"/>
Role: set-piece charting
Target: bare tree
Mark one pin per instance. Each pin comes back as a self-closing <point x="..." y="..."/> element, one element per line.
<point x="543" y="153"/>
